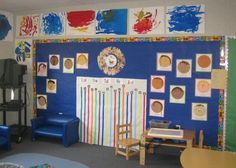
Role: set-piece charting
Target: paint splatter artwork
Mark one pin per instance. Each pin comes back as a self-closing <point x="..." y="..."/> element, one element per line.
<point x="53" y="23"/>
<point x="102" y="103"/>
<point x="28" y="26"/>
<point x="146" y="20"/>
<point x="80" y="23"/>
<point x="23" y="49"/>
<point x="112" y="21"/>
<point x="185" y="19"/>
<point x="6" y="22"/>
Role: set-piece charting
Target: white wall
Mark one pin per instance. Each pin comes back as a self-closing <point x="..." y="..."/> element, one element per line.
<point x="220" y="20"/>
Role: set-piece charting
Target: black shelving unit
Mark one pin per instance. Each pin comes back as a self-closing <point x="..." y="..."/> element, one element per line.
<point x="17" y="105"/>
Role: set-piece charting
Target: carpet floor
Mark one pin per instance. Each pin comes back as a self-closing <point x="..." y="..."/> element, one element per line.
<point x="94" y="156"/>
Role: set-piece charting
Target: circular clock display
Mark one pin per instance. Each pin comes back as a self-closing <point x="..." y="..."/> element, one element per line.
<point x="111" y="60"/>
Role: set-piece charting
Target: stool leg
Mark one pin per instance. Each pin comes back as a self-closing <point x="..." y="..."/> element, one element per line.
<point x="127" y="153"/>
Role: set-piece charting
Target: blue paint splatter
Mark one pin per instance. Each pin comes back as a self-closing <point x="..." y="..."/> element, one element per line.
<point x="53" y="24"/>
<point x="112" y="21"/>
<point x="185" y="18"/>
<point x="5" y="27"/>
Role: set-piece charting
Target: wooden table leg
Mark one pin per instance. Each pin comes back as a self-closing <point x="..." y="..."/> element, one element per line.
<point x="142" y="154"/>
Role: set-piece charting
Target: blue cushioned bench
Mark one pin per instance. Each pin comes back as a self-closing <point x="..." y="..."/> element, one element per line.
<point x="60" y="126"/>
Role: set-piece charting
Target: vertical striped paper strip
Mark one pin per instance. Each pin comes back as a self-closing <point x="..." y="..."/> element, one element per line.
<point x="101" y="107"/>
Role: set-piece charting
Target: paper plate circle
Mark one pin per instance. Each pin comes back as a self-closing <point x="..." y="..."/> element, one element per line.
<point x="177" y="92"/>
<point x="54" y="60"/>
<point x="111" y="60"/>
<point x="183" y="66"/>
<point x="82" y="59"/>
<point x="42" y="100"/>
<point x="157" y="83"/>
<point x="199" y="110"/>
<point x="204" y="61"/>
<point x="157" y="107"/>
<point x="164" y="61"/>
<point x="51" y="85"/>
<point x="68" y="64"/>
<point x="203" y="86"/>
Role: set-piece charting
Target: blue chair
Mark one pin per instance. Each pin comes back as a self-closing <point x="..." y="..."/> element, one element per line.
<point x="5" y="140"/>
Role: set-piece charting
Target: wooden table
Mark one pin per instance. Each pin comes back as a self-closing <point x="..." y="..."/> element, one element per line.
<point x="188" y="136"/>
<point x="206" y="158"/>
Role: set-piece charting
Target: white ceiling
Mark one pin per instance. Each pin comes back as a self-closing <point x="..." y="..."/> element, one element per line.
<point x="30" y="5"/>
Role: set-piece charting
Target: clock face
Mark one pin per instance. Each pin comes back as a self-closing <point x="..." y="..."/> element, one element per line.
<point x="111" y="60"/>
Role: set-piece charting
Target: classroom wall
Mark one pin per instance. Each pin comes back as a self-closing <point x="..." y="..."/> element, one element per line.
<point x="220" y="18"/>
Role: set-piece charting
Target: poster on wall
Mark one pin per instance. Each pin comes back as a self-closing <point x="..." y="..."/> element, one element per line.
<point x="147" y="20"/>
<point x="80" y="23"/>
<point x="52" y="24"/>
<point x="27" y="26"/>
<point x="157" y="107"/>
<point x="185" y="19"/>
<point x="101" y="103"/>
<point x="203" y="87"/>
<point x="82" y="60"/>
<point x="6" y="26"/>
<point x="111" y="21"/>
<point x="157" y="83"/>
<point x="164" y="61"/>
<point x="177" y="94"/>
<point x="199" y="111"/>
<point x="183" y="68"/>
<point x="23" y="52"/>
<point x="42" y="69"/>
<point x="51" y="85"/>
<point x="41" y="101"/>
<point x="203" y="62"/>
<point x="54" y="61"/>
<point x="68" y="65"/>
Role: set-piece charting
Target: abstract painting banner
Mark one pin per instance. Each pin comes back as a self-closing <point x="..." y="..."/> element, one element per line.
<point x="27" y="26"/>
<point x="6" y="26"/>
<point x="149" y="20"/>
<point x="101" y="103"/>
<point x="80" y="23"/>
<point x="185" y="19"/>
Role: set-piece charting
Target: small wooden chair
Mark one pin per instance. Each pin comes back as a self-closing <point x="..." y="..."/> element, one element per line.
<point x="125" y="141"/>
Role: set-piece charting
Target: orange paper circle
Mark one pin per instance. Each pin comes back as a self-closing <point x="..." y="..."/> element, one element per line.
<point x="157" y="107"/>
<point x="68" y="63"/>
<point x="157" y="83"/>
<point x="82" y="59"/>
<point x="204" y="61"/>
<point x="199" y="110"/>
<point x="177" y="93"/>
<point x="54" y="60"/>
<point x="164" y="61"/>
<point x="184" y="67"/>
<point x="41" y="100"/>
<point x="203" y="86"/>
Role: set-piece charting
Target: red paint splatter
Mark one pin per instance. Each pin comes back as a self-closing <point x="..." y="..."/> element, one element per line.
<point x="80" y="18"/>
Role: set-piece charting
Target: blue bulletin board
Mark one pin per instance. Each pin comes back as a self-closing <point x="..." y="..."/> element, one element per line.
<point x="140" y="63"/>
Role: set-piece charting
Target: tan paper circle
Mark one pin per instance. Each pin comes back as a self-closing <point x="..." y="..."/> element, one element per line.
<point x="82" y="59"/>
<point x="68" y="63"/>
<point x="204" y="61"/>
<point x="42" y="101"/>
<point x="157" y="107"/>
<point x="203" y="86"/>
<point x="177" y="93"/>
<point x="51" y="85"/>
<point x="199" y="110"/>
<point x="157" y="83"/>
<point x="54" y="60"/>
<point x="164" y="61"/>
<point x="184" y="67"/>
